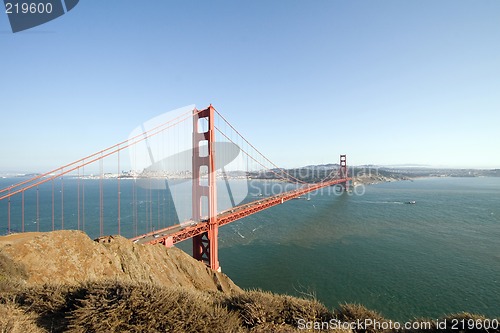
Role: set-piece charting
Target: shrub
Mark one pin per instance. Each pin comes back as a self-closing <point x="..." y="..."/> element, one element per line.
<point x="258" y="308"/>
<point x="11" y="274"/>
<point x="353" y="312"/>
<point x="118" y="307"/>
<point x="15" y="320"/>
<point x="51" y="303"/>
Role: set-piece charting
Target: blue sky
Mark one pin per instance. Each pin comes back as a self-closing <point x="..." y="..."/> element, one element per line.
<point x="386" y="82"/>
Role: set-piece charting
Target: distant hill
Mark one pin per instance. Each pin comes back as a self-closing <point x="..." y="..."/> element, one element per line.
<point x="369" y="174"/>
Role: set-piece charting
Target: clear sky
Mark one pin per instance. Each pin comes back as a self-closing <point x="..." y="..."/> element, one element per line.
<point x="384" y="81"/>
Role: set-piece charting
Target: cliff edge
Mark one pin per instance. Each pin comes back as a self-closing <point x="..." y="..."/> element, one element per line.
<point x="71" y="257"/>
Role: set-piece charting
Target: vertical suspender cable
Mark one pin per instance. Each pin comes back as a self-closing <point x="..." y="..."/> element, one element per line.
<point x="8" y="215"/>
<point x="134" y="196"/>
<point x="158" y="209"/>
<point x="101" y="199"/>
<point x="22" y="212"/>
<point x="151" y="205"/>
<point x="119" y="193"/>
<point x="62" y="202"/>
<point x="175" y="147"/>
<point x="53" y="212"/>
<point x="37" y="209"/>
<point x="160" y="174"/>
<point x="78" y="200"/>
<point x="134" y="207"/>
<point x="83" y="196"/>
<point x="163" y="216"/>
<point x="146" y="208"/>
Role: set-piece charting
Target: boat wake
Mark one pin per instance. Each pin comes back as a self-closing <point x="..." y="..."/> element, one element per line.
<point x="383" y="202"/>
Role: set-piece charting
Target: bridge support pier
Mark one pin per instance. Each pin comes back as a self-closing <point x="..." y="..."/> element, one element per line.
<point x="204" y="197"/>
<point x="169" y="242"/>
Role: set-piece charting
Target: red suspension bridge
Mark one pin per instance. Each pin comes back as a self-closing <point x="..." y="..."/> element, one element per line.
<point x="169" y="192"/>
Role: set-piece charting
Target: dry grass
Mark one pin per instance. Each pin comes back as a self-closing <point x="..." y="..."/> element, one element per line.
<point x="143" y="307"/>
<point x="126" y="307"/>
<point x="260" y="309"/>
<point x="9" y="268"/>
<point x="51" y="303"/>
<point x="13" y="319"/>
<point x="119" y="307"/>
<point x="352" y="312"/>
<point x="11" y="274"/>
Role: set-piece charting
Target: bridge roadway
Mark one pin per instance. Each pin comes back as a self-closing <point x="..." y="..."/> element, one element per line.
<point x="181" y="232"/>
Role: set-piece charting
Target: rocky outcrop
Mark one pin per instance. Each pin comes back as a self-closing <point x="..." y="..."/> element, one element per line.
<point x="71" y="257"/>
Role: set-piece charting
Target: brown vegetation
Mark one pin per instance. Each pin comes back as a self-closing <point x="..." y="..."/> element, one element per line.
<point x="181" y="295"/>
<point x="112" y="306"/>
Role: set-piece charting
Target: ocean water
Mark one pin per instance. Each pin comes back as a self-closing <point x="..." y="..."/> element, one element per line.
<point x="439" y="256"/>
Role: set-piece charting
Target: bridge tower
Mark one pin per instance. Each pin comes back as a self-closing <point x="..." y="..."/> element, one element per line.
<point x="343" y="172"/>
<point x="204" y="196"/>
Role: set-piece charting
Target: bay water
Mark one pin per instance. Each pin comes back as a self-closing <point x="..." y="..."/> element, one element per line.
<point x="429" y="259"/>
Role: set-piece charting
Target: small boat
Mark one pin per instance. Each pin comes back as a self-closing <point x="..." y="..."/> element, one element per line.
<point x="411" y="202"/>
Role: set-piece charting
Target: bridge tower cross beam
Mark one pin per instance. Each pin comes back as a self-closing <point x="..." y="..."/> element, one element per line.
<point x="205" y="246"/>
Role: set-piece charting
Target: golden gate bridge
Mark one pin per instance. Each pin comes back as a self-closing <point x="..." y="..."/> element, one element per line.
<point x="46" y="202"/>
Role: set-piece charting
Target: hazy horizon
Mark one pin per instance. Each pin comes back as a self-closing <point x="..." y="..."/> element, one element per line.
<point x="20" y="172"/>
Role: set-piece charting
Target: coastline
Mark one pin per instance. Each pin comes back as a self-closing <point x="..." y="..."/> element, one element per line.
<point x="377" y="179"/>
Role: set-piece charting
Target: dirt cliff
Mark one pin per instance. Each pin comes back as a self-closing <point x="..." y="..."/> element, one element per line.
<point x="71" y="257"/>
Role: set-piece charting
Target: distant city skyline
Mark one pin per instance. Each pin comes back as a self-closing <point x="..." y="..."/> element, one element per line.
<point x="387" y="83"/>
